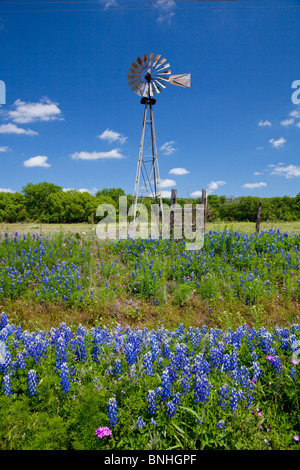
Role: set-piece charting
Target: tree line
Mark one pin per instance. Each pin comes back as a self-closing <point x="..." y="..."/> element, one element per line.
<point x="49" y="203"/>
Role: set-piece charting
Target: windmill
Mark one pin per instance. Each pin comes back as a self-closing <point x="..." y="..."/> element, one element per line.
<point x="148" y="76"/>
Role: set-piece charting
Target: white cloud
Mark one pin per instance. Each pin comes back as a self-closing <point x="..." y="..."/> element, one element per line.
<point x="112" y="154"/>
<point x="38" y="161"/>
<point x="259" y="148"/>
<point x="287" y="122"/>
<point x="44" y="110"/>
<point x="13" y="129"/>
<point x="254" y="185"/>
<point x="166" y="193"/>
<point x="6" y="190"/>
<point x="196" y="194"/>
<point x="264" y="123"/>
<point x="166" y="12"/>
<point x="257" y="173"/>
<point x="110" y="3"/>
<point x="112" y="136"/>
<point x="215" y="185"/>
<point x="168" y="148"/>
<point x="295" y="114"/>
<point x="81" y="190"/>
<point x="178" y="171"/>
<point x="298" y="124"/>
<point x="277" y="143"/>
<point x="3" y="149"/>
<point x="289" y="171"/>
<point x="167" y="183"/>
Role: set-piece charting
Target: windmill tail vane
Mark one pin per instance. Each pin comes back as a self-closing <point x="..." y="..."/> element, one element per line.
<point x="148" y="76"/>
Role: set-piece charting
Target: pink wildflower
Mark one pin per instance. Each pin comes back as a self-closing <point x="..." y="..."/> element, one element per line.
<point x="102" y="432"/>
<point x="270" y="358"/>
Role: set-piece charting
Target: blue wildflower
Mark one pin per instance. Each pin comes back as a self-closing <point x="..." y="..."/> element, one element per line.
<point x="112" y="412"/>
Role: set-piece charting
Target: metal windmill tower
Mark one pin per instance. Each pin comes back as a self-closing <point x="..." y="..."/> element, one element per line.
<point x="149" y="76"/>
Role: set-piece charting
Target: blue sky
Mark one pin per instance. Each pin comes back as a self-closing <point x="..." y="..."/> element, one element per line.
<point x="70" y="117"/>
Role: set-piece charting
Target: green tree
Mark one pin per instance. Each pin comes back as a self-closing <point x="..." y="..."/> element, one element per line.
<point x="37" y="198"/>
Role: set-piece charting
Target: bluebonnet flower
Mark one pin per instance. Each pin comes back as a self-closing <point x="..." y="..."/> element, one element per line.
<point x="7" y="385"/>
<point x="200" y="366"/>
<point x="226" y="362"/>
<point x="64" y="378"/>
<point x="201" y="388"/>
<point x="61" y="351"/>
<point x="130" y="353"/>
<point x="171" y="408"/>
<point x="186" y="379"/>
<point x="165" y="384"/>
<point x="151" y="398"/>
<point x="3" y="320"/>
<point x="7" y="362"/>
<point x="223" y="394"/>
<point x="112" y="412"/>
<point x="140" y="423"/>
<point x="176" y="398"/>
<point x="32" y="382"/>
<point x="233" y="398"/>
<point x="293" y="372"/>
<point x="148" y="365"/>
<point x="221" y="424"/>
<point x="117" y="366"/>
<point x="256" y="369"/>
<point x="21" y="361"/>
<point x="78" y="347"/>
<point x="153" y="422"/>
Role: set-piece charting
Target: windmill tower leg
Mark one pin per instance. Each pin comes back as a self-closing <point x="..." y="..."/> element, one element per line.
<point x="153" y="171"/>
<point x="139" y="165"/>
<point x="157" y="185"/>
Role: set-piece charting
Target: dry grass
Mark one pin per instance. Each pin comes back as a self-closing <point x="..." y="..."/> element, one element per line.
<point x="90" y="229"/>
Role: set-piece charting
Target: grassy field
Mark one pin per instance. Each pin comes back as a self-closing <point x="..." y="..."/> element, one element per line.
<point x="243" y="227"/>
<point x="168" y="348"/>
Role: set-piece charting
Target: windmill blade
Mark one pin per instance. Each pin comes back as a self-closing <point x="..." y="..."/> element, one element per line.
<point x="151" y="55"/>
<point x="163" y="68"/>
<point x="155" y="60"/>
<point x="134" y="84"/>
<point x="146" y="63"/>
<point x="140" y="89"/>
<point x="133" y="77"/>
<point x="148" y="90"/>
<point x="137" y="86"/>
<point x="160" y="83"/>
<point x="163" y="79"/>
<point x="161" y="62"/>
<point x="136" y="66"/>
<point x="166" y="72"/>
<point x="139" y="60"/>
<point x="157" y="87"/>
<point x="152" y="89"/>
<point x="183" y="80"/>
<point x="134" y="71"/>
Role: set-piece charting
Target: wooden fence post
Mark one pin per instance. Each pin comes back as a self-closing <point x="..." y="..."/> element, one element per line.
<point x="204" y="202"/>
<point x="173" y="202"/>
<point x="258" y="217"/>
